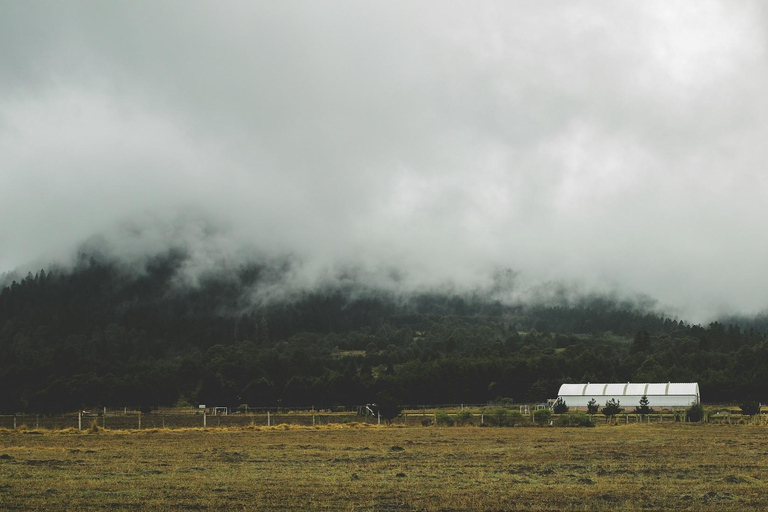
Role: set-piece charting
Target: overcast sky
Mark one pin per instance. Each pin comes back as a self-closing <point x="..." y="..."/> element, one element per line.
<point x="608" y="145"/>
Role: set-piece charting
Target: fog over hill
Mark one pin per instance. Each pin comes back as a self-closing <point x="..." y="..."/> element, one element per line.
<point x="560" y="150"/>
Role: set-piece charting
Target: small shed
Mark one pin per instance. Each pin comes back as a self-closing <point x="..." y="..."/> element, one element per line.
<point x="660" y="395"/>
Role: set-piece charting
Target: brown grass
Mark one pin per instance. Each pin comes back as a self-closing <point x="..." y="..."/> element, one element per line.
<point x="367" y="467"/>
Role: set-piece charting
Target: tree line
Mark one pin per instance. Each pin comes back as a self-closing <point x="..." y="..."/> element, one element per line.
<point x="104" y="335"/>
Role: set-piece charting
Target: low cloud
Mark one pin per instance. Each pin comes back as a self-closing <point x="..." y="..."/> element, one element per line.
<point x="610" y="147"/>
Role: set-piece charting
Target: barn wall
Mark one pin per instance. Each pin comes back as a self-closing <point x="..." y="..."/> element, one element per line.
<point x="659" y="394"/>
<point x="630" y="401"/>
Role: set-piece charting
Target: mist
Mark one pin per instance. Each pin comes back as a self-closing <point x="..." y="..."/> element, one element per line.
<point x="609" y="147"/>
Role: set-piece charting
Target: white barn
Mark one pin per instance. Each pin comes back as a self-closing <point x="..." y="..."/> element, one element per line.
<point x="660" y="395"/>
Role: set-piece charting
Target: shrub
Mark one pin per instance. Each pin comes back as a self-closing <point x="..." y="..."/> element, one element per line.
<point x="592" y="406"/>
<point x="517" y="418"/>
<point x="575" y="419"/>
<point x="389" y="407"/>
<point x="463" y="418"/>
<point x="612" y="408"/>
<point x="695" y="413"/>
<point x="497" y="417"/>
<point x="443" y="419"/>
<point x="749" y="408"/>
<point x="501" y="417"/>
<point x="542" y="416"/>
<point x="560" y="407"/>
<point x="643" y="409"/>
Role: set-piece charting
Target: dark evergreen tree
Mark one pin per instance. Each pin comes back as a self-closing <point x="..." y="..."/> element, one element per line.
<point x="643" y="408"/>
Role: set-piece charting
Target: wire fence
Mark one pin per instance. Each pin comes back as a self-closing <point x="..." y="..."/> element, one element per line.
<point x="132" y="418"/>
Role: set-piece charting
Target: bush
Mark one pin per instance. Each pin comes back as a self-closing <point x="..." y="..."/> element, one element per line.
<point x="542" y="416"/>
<point x="612" y="408"/>
<point x="517" y="418"/>
<point x="750" y="408"/>
<point x="575" y="419"/>
<point x="443" y="419"/>
<point x="463" y="418"/>
<point x="501" y="417"/>
<point x="560" y="407"/>
<point x="643" y="409"/>
<point x="592" y="406"/>
<point x="695" y="413"/>
<point x="497" y="417"/>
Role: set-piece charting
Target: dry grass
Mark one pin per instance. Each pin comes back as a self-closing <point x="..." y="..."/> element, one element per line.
<point x="356" y="467"/>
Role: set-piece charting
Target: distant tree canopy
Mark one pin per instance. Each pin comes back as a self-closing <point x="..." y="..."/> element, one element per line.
<point x="104" y="335"/>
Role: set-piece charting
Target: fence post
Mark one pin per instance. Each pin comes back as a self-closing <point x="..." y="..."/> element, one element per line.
<point x="79" y="421"/>
<point x="139" y="420"/>
<point x="482" y="418"/>
<point x="205" y="420"/>
<point x="313" y="420"/>
<point x="268" y="424"/>
<point x="14" y="422"/>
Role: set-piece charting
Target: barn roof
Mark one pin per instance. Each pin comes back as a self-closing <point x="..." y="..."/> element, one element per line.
<point x="630" y="389"/>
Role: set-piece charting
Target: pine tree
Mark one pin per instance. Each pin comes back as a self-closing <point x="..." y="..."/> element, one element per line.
<point x="560" y="407"/>
<point x="643" y="409"/>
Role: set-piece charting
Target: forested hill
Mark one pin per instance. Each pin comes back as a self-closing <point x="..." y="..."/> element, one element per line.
<point x="102" y="334"/>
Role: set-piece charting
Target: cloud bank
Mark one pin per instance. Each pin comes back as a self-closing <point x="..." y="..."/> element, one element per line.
<point x="610" y="145"/>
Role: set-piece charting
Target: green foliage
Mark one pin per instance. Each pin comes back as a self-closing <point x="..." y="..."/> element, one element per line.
<point x="389" y="407"/>
<point x="612" y="408"/>
<point x="749" y="408"/>
<point x="560" y="407"/>
<point x="574" y="419"/>
<point x="643" y="408"/>
<point x="592" y="406"/>
<point x="516" y="418"/>
<point x="463" y="418"/>
<point x="542" y="416"/>
<point x="695" y="413"/>
<point x="502" y="417"/>
<point x="120" y="338"/>
<point x="497" y="417"/>
<point x="443" y="419"/>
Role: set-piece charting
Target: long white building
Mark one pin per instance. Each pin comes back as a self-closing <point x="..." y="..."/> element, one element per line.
<point x="666" y="394"/>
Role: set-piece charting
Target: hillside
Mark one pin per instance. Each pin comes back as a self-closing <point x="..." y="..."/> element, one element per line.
<point x="104" y="334"/>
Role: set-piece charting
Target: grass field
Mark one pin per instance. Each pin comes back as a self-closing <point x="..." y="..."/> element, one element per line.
<point x="628" y="467"/>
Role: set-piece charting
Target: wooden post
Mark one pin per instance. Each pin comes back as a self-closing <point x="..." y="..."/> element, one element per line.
<point x="139" y="420"/>
<point x="268" y="418"/>
<point x="313" y="420"/>
<point x="79" y="421"/>
<point x="14" y="423"/>
<point x="482" y="418"/>
<point x="205" y="420"/>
